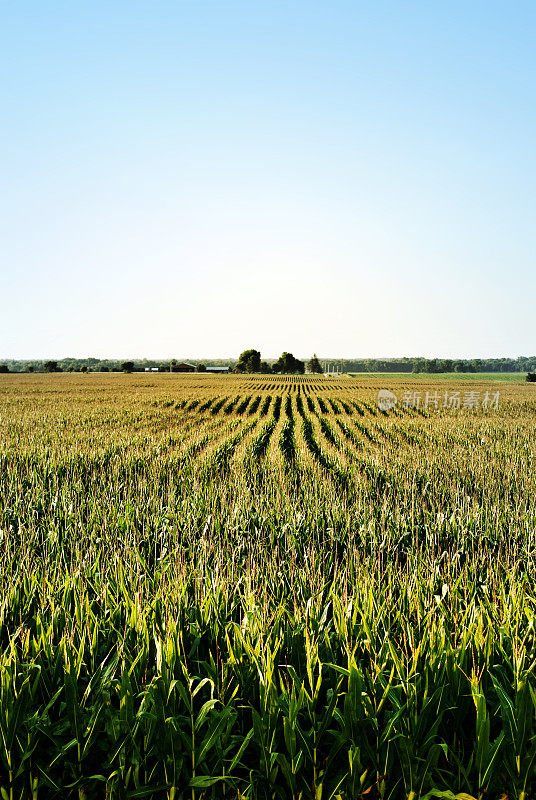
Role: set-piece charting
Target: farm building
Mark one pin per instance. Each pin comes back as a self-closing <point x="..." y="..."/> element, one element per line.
<point x="217" y="369"/>
<point x="182" y="366"/>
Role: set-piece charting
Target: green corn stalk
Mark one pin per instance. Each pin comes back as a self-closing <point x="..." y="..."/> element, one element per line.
<point x="518" y="718"/>
<point x="486" y="753"/>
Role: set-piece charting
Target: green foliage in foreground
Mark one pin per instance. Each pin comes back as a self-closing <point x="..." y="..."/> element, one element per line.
<point x="210" y="695"/>
<point x="176" y="623"/>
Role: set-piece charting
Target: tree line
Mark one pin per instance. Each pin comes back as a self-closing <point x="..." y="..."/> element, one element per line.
<point x="251" y="361"/>
<point x="435" y="365"/>
<point x="248" y="361"/>
<point x="286" y="364"/>
<point x="102" y="365"/>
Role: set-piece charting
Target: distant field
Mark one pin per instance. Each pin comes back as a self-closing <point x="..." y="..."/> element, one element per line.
<point x="507" y="377"/>
<point x="264" y="587"/>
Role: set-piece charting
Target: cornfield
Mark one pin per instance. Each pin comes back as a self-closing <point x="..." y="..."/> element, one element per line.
<point x="264" y="587"/>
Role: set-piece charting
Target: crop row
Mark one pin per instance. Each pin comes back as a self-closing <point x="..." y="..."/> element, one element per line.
<point x="245" y="593"/>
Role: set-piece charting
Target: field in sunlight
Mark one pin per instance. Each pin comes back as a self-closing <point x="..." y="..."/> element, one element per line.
<point x="265" y="587"/>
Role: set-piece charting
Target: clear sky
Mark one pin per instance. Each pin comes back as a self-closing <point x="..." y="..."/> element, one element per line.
<point x="196" y="177"/>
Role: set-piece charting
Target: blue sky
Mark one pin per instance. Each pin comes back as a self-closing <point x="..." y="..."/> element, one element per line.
<point x="193" y="178"/>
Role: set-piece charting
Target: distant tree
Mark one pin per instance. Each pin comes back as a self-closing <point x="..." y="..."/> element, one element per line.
<point x="30" y="368"/>
<point x="172" y="364"/>
<point x="127" y="366"/>
<point x="531" y="377"/>
<point x="419" y="365"/>
<point x="286" y="363"/>
<point x="249" y="361"/>
<point x="163" y="368"/>
<point x="104" y="368"/>
<point x="4" y="368"/>
<point x="51" y="366"/>
<point x="201" y="368"/>
<point x="84" y="368"/>
<point x="315" y="365"/>
<point x="265" y="368"/>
